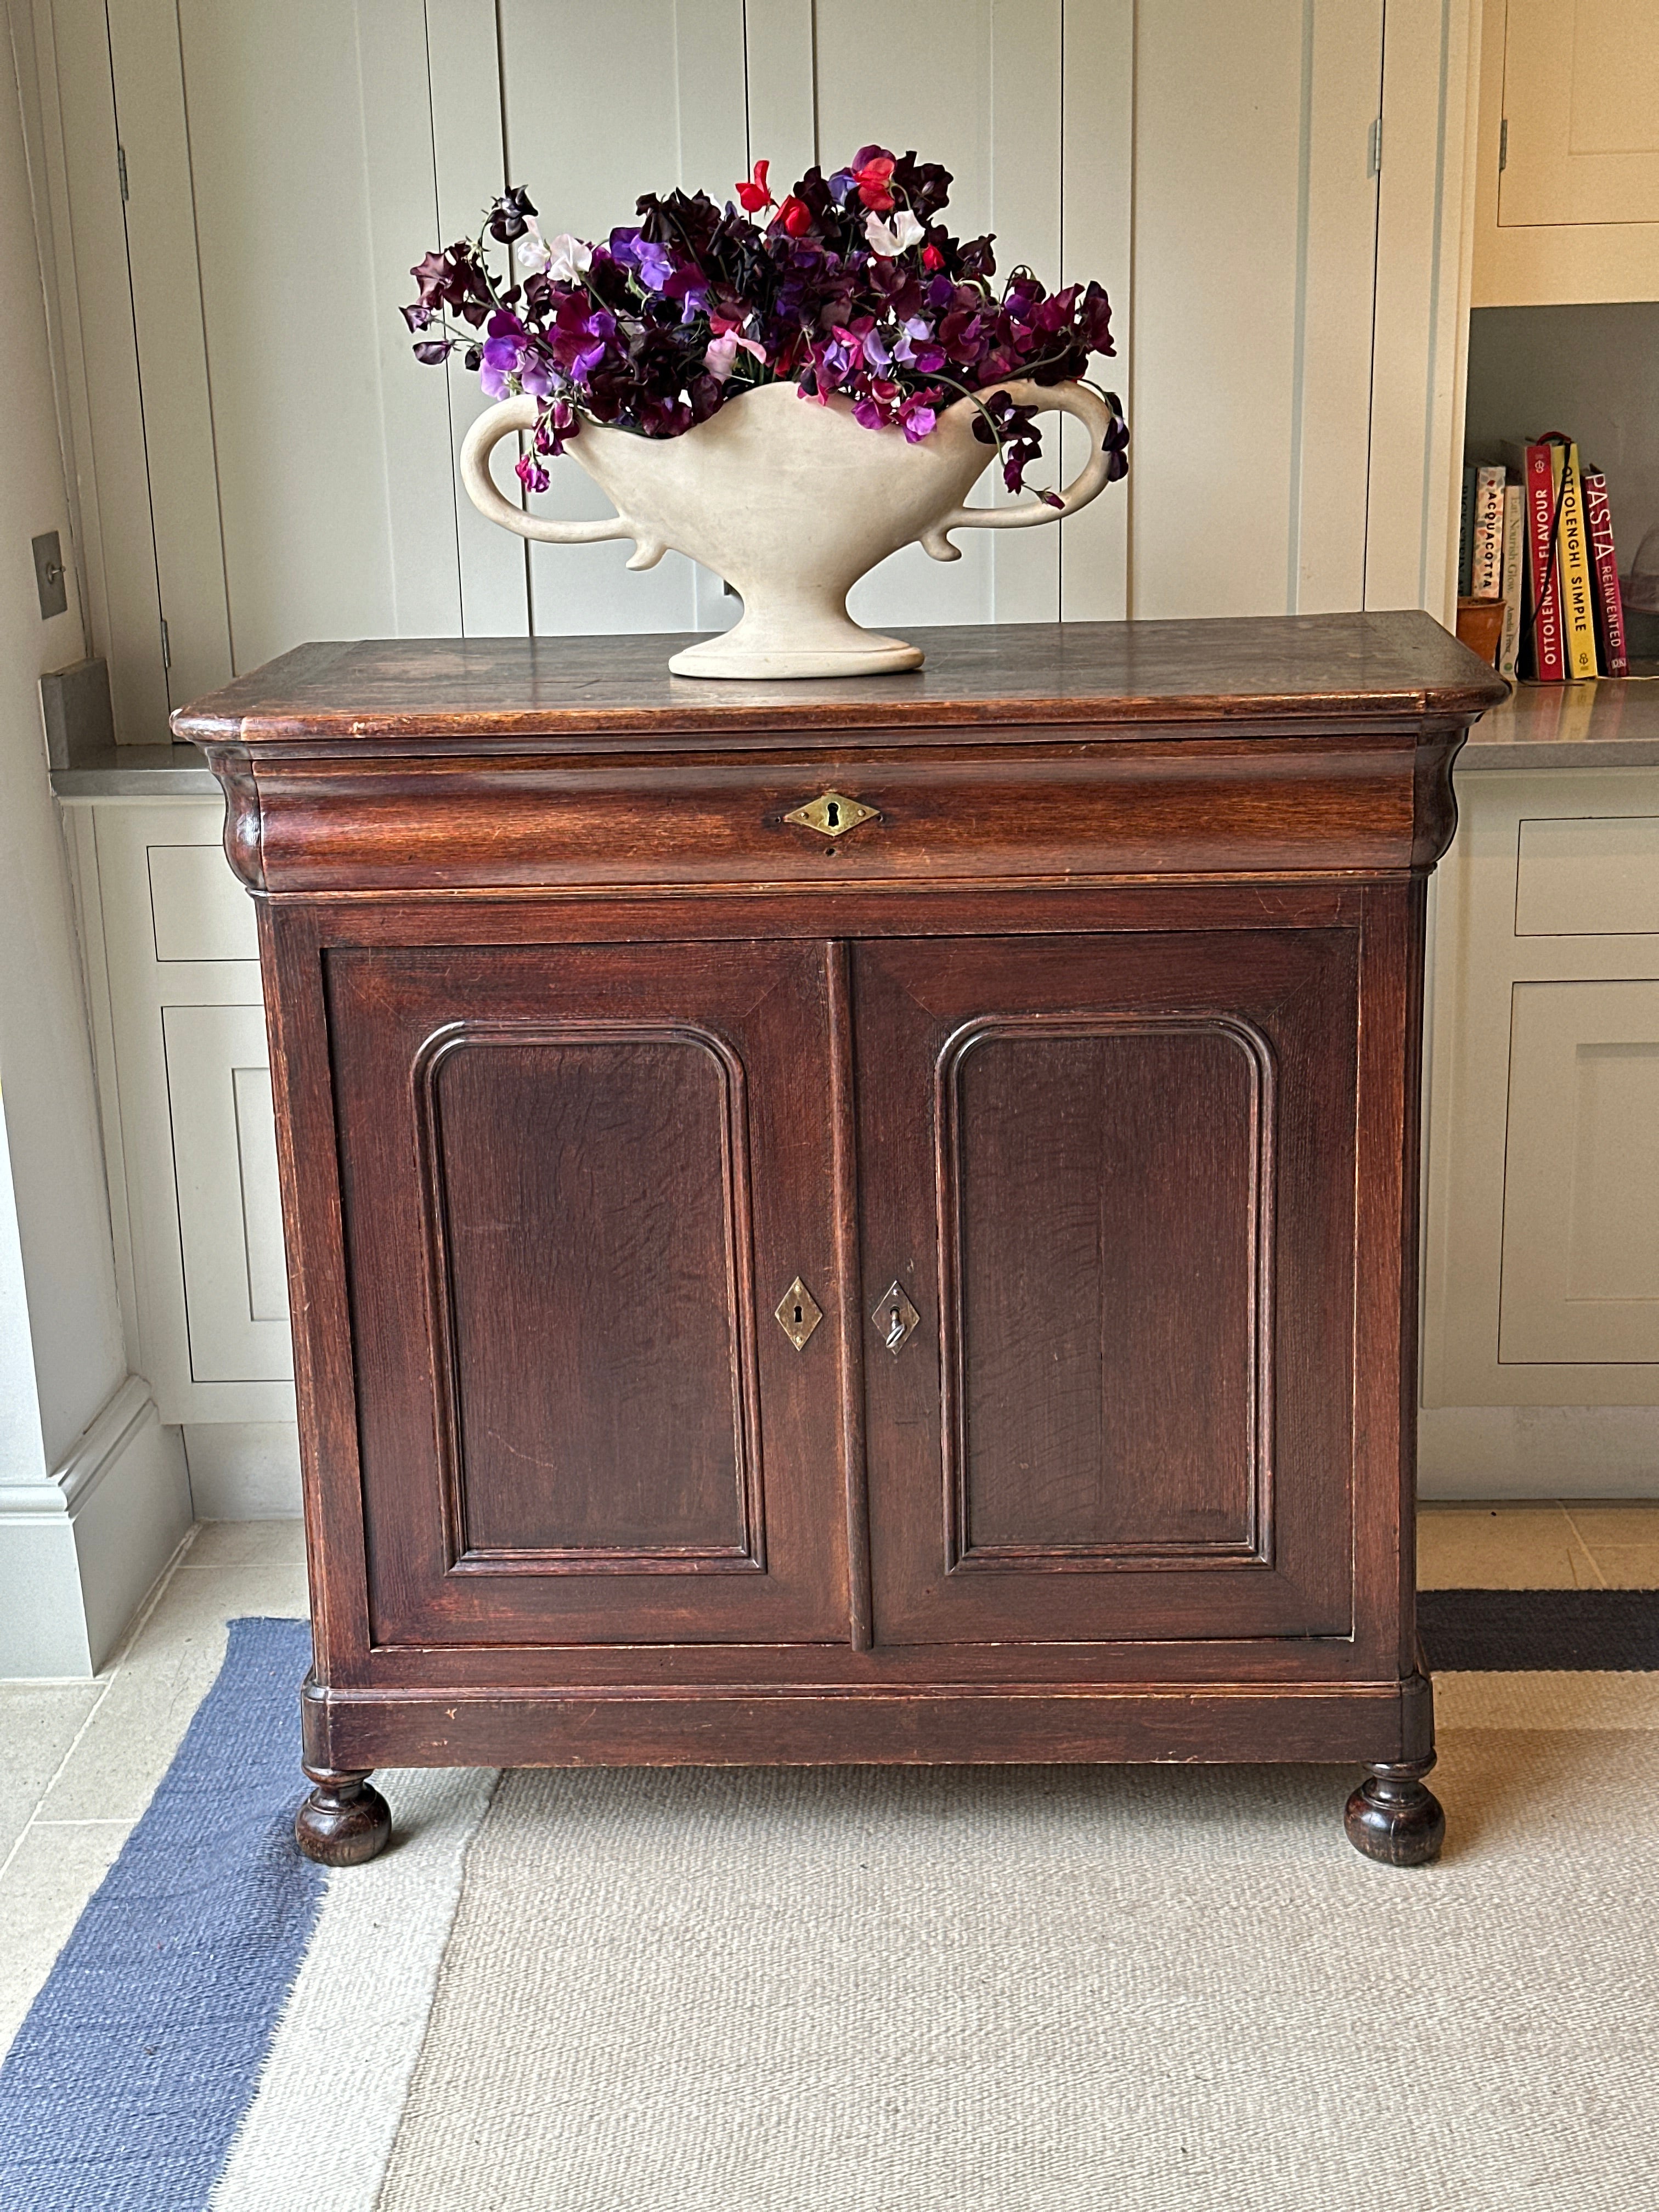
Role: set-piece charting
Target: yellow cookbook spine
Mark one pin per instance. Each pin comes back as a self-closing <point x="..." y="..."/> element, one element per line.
<point x="1577" y="604"/>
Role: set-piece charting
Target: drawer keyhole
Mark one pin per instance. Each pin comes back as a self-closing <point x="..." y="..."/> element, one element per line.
<point x="832" y="814"/>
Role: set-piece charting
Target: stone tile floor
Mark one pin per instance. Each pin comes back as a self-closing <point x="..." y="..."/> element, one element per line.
<point x="78" y="1760"/>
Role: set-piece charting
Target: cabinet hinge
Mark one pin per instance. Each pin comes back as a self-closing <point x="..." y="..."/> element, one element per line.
<point x="166" y="646"/>
<point x="1374" y="148"/>
<point x="121" y="168"/>
<point x="1503" y="145"/>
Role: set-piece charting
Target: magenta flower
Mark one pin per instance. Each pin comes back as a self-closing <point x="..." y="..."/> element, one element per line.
<point x="579" y="338"/>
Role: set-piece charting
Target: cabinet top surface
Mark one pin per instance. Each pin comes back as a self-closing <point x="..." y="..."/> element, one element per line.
<point x="1352" y="667"/>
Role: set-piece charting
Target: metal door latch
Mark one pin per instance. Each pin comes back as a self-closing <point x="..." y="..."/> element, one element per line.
<point x="896" y="1317"/>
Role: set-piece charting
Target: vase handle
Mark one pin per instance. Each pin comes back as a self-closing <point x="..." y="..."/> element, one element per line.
<point x="1096" y="417"/>
<point x="501" y="421"/>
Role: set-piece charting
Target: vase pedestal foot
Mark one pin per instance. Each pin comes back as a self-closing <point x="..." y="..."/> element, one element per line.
<point x="779" y="649"/>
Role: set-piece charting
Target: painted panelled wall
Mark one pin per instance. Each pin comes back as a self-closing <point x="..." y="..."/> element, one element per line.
<point x="262" y="460"/>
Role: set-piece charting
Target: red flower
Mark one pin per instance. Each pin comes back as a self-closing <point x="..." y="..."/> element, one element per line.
<point x="932" y="258"/>
<point x="754" y="191"/>
<point x="794" y="216"/>
<point x="874" y="181"/>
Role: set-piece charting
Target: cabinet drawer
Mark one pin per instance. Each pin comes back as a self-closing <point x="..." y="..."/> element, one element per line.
<point x="1131" y="809"/>
<point x="198" y="910"/>
<point x="1589" y="876"/>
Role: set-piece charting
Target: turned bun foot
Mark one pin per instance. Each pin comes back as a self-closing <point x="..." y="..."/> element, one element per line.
<point x="344" y="1821"/>
<point x="1393" y="1819"/>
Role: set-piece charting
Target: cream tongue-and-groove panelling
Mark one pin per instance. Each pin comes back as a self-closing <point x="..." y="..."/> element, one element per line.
<point x="262" y="460"/>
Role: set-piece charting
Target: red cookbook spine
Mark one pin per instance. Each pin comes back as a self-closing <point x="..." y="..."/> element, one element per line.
<point x="1543" y="572"/>
<point x="1604" y="565"/>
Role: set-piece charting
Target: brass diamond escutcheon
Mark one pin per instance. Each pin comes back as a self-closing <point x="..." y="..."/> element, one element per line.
<point x="895" y="1316"/>
<point x="833" y="814"/>
<point x="798" y="1314"/>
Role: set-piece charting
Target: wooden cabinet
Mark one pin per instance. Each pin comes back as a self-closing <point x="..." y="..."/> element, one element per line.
<point x="940" y="1288"/>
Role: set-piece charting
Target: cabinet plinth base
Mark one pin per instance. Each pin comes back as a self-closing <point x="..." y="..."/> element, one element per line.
<point x="344" y="1821"/>
<point x="1393" y="1819"/>
<point x="350" y="1730"/>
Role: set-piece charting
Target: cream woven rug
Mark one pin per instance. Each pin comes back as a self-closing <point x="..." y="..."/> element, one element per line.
<point x="894" y="1992"/>
<point x="1035" y="1989"/>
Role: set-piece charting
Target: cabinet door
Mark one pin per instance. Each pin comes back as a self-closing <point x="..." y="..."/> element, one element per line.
<point x="1113" y="1178"/>
<point x="1580" y="103"/>
<point x="1580" y="1277"/>
<point x="576" y="1181"/>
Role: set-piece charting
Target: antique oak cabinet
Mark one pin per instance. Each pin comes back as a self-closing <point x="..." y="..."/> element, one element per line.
<point x="854" y="1221"/>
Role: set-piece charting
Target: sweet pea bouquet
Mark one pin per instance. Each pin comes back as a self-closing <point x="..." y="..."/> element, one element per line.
<point x="850" y="286"/>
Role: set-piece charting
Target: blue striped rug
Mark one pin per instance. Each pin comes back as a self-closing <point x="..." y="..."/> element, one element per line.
<point x="129" y="2078"/>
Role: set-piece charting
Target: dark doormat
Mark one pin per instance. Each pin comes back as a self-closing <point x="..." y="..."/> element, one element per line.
<point x="1506" y="1630"/>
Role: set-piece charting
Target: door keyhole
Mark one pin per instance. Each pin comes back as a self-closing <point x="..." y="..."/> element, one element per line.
<point x="833" y="814"/>
<point x="797" y="1314"/>
<point x="896" y="1317"/>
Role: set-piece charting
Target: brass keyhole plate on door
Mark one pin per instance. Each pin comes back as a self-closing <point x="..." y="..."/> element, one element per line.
<point x="833" y="814"/>
<point x="798" y="1314"/>
<point x="896" y="1317"/>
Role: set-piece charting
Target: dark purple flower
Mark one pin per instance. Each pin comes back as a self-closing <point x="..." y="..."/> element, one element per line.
<point x="924" y="186"/>
<point x="507" y="217"/>
<point x="1094" y="322"/>
<point x="1116" y="444"/>
<point x="433" y="350"/>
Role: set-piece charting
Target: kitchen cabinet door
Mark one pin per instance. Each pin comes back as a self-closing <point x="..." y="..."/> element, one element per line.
<point x="1581" y="1182"/>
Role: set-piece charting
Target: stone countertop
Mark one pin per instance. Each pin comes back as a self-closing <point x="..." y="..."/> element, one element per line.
<point x="1614" y="723"/>
<point x="1603" y="724"/>
<point x="138" y="772"/>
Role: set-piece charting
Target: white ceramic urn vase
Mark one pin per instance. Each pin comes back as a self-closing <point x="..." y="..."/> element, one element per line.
<point x="790" y="501"/>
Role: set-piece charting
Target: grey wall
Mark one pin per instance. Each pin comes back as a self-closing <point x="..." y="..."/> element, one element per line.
<point x="1592" y="371"/>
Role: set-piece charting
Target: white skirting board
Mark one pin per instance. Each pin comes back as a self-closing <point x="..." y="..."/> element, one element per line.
<point x="1538" y="1451"/>
<point x="79" y="1551"/>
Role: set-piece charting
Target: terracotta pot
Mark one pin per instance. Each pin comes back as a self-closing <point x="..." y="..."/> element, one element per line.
<point x="791" y="501"/>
